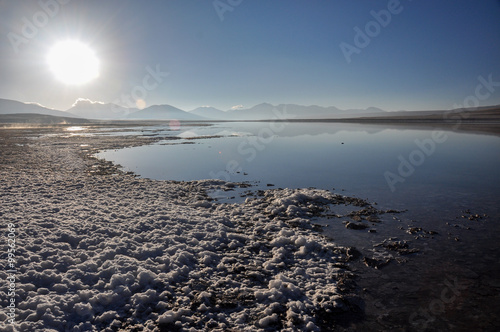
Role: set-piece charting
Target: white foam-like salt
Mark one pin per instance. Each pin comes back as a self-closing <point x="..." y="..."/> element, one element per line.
<point x="136" y="252"/>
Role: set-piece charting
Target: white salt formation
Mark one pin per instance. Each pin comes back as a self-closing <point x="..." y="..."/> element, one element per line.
<point x="114" y="252"/>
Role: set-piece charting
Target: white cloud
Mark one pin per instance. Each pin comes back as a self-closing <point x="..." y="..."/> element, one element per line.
<point x="80" y="101"/>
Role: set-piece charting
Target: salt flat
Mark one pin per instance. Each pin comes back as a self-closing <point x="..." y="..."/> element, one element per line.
<point x="102" y="250"/>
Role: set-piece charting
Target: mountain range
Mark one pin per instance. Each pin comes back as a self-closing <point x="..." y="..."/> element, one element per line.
<point x="84" y="108"/>
<point x="15" y="107"/>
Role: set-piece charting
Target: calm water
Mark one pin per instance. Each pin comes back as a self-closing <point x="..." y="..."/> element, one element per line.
<point x="383" y="165"/>
<point x="435" y="175"/>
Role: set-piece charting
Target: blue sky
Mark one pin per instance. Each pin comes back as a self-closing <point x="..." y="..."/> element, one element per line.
<point x="429" y="55"/>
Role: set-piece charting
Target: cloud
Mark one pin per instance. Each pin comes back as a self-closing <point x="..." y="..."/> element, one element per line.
<point x="81" y="101"/>
<point x="236" y="107"/>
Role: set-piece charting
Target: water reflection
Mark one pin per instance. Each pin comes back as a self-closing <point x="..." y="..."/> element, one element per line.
<point x="75" y="128"/>
<point x="453" y="176"/>
<point x="327" y="155"/>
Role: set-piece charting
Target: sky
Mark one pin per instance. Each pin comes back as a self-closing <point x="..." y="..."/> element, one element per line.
<point x="395" y="55"/>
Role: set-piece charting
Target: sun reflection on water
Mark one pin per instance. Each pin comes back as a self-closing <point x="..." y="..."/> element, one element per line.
<point x="75" y="128"/>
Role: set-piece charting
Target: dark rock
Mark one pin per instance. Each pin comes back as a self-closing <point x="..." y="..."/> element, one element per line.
<point x="376" y="264"/>
<point x="373" y="219"/>
<point x="408" y="251"/>
<point x="353" y="225"/>
<point x="353" y="253"/>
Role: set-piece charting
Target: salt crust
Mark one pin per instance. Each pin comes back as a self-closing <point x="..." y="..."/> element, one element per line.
<point x="116" y="252"/>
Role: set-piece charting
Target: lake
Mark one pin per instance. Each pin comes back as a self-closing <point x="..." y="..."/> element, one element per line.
<point x="439" y="177"/>
<point x="406" y="167"/>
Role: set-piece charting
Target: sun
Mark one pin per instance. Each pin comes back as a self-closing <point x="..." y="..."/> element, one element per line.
<point x="73" y="62"/>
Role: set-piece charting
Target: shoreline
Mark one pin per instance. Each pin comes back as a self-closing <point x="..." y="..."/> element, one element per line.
<point x="99" y="248"/>
<point x="137" y="254"/>
<point x="483" y="120"/>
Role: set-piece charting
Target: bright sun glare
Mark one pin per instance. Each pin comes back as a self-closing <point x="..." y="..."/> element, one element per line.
<point x="73" y="62"/>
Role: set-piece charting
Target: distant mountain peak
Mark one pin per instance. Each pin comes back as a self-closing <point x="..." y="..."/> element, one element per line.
<point x="90" y="109"/>
<point x="99" y="110"/>
<point x="374" y="110"/>
<point x="162" y="107"/>
<point x="264" y="105"/>
<point x="164" y="112"/>
<point x="39" y="105"/>
<point x="8" y="106"/>
<point x="209" y="112"/>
